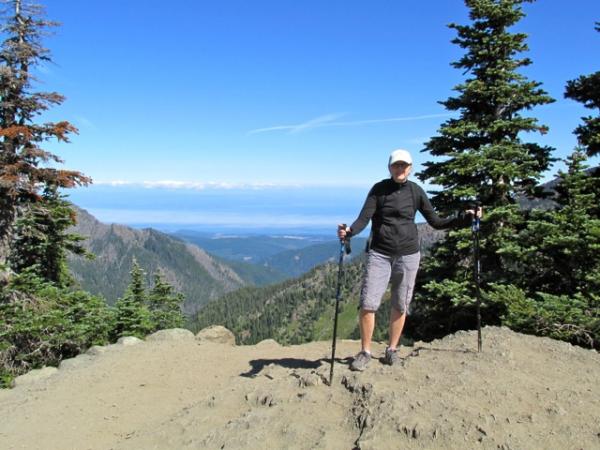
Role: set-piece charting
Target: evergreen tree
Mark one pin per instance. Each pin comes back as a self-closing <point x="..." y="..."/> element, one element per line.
<point x="586" y="89"/>
<point x="132" y="316"/>
<point x="165" y="305"/>
<point x="557" y="249"/>
<point x="22" y="159"/>
<point x="483" y="156"/>
<point x="554" y="263"/>
<point x="43" y="323"/>
<point x="42" y="239"/>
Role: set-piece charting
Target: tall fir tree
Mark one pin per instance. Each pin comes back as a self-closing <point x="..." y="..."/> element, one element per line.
<point x="43" y="320"/>
<point x="23" y="161"/>
<point x="557" y="250"/>
<point x="132" y="316"/>
<point x="586" y="89"/>
<point x="554" y="263"/>
<point x="482" y="155"/>
<point x="165" y="304"/>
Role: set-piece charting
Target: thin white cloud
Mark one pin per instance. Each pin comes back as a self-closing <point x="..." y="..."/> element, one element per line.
<point x="199" y="185"/>
<point x="114" y="183"/>
<point x="189" y="185"/>
<point x="392" y="119"/>
<point x="329" y="121"/>
<point x="210" y="185"/>
<point x="321" y="121"/>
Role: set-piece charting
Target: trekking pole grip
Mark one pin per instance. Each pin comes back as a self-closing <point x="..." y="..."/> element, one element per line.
<point x="346" y="241"/>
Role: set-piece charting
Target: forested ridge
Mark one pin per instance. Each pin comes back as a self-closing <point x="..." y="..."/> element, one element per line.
<point x="286" y="312"/>
<point x="193" y="272"/>
<point x="301" y="310"/>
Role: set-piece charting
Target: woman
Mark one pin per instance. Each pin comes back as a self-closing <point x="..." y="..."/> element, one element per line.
<point x="393" y="251"/>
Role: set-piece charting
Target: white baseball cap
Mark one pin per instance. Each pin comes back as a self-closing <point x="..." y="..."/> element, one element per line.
<point x="400" y="155"/>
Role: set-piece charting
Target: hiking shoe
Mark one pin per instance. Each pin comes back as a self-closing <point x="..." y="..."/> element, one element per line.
<point x="361" y="360"/>
<point x="391" y="356"/>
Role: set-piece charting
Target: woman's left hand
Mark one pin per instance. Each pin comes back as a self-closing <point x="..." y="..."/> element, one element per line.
<point x="472" y="212"/>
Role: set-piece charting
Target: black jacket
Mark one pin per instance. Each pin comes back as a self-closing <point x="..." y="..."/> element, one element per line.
<point x="392" y="207"/>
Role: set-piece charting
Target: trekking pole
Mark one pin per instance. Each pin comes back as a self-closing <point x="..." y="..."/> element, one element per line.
<point x="344" y="248"/>
<point x="477" y="271"/>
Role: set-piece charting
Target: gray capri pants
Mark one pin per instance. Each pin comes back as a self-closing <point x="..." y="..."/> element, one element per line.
<point x="379" y="269"/>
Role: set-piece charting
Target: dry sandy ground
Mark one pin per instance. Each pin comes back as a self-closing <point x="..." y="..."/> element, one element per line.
<point x="521" y="392"/>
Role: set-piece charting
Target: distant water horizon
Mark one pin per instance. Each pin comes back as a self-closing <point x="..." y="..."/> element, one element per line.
<point x="226" y="230"/>
<point x="273" y="211"/>
<point x="282" y="210"/>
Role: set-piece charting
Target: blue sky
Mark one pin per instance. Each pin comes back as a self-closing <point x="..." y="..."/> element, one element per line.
<point x="198" y="96"/>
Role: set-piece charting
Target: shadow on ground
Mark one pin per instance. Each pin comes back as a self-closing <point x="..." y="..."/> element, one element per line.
<point x="289" y="363"/>
<point x="257" y="365"/>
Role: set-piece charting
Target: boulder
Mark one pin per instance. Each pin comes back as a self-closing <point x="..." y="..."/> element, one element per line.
<point x="73" y="363"/>
<point x="216" y="334"/>
<point x="268" y="343"/>
<point x="35" y="375"/>
<point x="97" y="350"/>
<point x="174" y="334"/>
<point x="129" y="340"/>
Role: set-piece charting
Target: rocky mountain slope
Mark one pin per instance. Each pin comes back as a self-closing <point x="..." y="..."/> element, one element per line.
<point x="192" y="271"/>
<point x="174" y="391"/>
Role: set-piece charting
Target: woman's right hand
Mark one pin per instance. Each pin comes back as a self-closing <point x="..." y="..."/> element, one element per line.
<point x="342" y="231"/>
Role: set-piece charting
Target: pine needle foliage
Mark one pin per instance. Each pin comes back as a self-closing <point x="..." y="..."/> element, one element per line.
<point x="44" y="323"/>
<point x="165" y="304"/>
<point x="42" y="238"/>
<point x="140" y="312"/>
<point x="482" y="154"/>
<point x="555" y="264"/>
<point x="131" y="311"/>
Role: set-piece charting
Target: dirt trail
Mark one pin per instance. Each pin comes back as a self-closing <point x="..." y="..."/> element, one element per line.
<point x="522" y="392"/>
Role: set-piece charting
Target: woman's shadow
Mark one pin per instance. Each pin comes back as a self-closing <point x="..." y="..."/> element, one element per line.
<point x="289" y="363"/>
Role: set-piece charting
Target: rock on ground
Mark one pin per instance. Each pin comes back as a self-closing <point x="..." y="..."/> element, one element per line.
<point x="34" y="376"/>
<point x="216" y="334"/>
<point x="174" y="334"/>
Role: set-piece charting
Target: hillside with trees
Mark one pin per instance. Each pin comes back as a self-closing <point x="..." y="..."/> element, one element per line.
<point x="288" y="312"/>
<point x="193" y="272"/>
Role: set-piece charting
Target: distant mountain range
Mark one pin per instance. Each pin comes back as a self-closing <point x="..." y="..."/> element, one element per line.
<point x="254" y="248"/>
<point x="201" y="276"/>
<point x="233" y="262"/>
<point x="198" y="275"/>
<point x="288" y="255"/>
